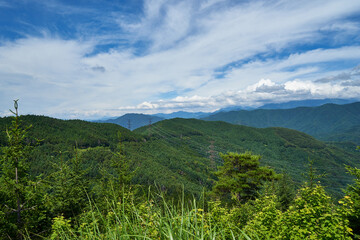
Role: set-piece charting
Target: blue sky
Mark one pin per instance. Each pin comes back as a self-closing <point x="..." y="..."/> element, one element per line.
<point x="88" y="59"/>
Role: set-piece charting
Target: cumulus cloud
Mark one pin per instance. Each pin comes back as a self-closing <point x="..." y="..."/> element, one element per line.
<point x="255" y="95"/>
<point x="266" y="86"/>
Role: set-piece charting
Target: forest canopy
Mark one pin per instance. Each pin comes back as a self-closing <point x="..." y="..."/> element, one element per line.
<point x="74" y="179"/>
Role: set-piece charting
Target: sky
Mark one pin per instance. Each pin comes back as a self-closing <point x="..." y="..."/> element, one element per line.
<point x="89" y="59"/>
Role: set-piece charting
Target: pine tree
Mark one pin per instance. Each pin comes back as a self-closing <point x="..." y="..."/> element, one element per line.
<point x="121" y="165"/>
<point x="285" y="190"/>
<point x="241" y="177"/>
<point x="19" y="195"/>
<point x="68" y="188"/>
<point x="117" y="174"/>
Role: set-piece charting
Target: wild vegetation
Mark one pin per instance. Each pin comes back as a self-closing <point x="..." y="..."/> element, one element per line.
<point x="79" y="180"/>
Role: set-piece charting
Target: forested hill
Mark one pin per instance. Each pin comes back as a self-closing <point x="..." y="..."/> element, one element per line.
<point x="182" y="114"/>
<point x="286" y="150"/>
<point x="306" y="103"/>
<point x="326" y="122"/>
<point x="78" y="133"/>
<point x="180" y="152"/>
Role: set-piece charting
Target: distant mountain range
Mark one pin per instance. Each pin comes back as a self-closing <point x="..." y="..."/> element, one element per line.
<point x="326" y="122"/>
<point x="132" y="121"/>
<point x="306" y="103"/>
<point x="135" y="120"/>
<point x="179" y="153"/>
<point x="182" y="114"/>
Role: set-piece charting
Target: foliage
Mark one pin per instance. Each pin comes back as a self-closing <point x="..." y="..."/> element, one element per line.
<point x="241" y="177"/>
<point x="120" y="165"/>
<point x="20" y="196"/>
<point x="353" y="191"/>
<point x="61" y="228"/>
<point x="149" y="219"/>
<point x="262" y="222"/>
<point x="176" y="152"/>
<point x="283" y="149"/>
<point x="285" y="192"/>
<point x="311" y="216"/>
<point x="115" y="173"/>
<point x="80" y="182"/>
<point x="67" y="188"/>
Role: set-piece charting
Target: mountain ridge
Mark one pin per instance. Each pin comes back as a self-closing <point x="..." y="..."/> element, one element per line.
<point x="136" y="120"/>
<point x="321" y="122"/>
<point x="132" y="121"/>
<point x="306" y="103"/>
<point x="182" y="152"/>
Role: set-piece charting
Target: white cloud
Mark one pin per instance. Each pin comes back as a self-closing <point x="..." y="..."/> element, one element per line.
<point x="255" y="95"/>
<point x="42" y="58"/>
<point x="341" y="26"/>
<point x="188" y="43"/>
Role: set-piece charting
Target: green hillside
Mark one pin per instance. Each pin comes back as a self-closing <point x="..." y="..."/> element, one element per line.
<point x="154" y="161"/>
<point x="348" y="134"/>
<point x="181" y="152"/>
<point x="321" y="122"/>
<point x="70" y="132"/>
<point x="306" y="103"/>
<point x="285" y="150"/>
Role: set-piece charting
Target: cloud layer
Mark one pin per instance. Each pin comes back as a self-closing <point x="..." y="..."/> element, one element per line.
<point x="172" y="55"/>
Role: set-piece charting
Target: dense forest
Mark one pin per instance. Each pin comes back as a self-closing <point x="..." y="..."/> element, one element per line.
<point x="176" y="179"/>
<point x="329" y="122"/>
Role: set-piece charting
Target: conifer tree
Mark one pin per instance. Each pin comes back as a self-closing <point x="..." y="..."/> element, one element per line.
<point x="68" y="188"/>
<point x="241" y="177"/>
<point x="19" y="195"/>
<point x="117" y="174"/>
<point x="121" y="165"/>
<point x="285" y="190"/>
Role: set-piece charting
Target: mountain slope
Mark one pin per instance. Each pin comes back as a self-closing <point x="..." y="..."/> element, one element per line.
<point x="181" y="152"/>
<point x="306" y="103"/>
<point x="134" y="120"/>
<point x="284" y="149"/>
<point x="182" y="114"/>
<point x="320" y="122"/>
<point x="69" y="132"/>
<point x="154" y="161"/>
<point x="349" y="134"/>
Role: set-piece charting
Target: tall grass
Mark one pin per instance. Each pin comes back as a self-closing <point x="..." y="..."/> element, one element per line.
<point x="154" y="218"/>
